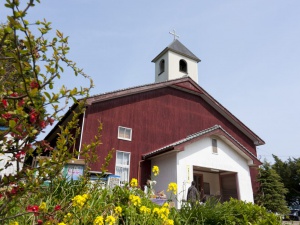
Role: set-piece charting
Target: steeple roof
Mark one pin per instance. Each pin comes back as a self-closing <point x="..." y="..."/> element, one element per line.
<point x="177" y="47"/>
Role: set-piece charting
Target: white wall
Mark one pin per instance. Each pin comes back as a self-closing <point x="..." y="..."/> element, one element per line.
<point x="172" y="67"/>
<point x="174" y="72"/>
<point x="12" y="169"/>
<point x="6" y="158"/>
<point x="163" y="76"/>
<point x="168" y="173"/>
<point x="200" y="154"/>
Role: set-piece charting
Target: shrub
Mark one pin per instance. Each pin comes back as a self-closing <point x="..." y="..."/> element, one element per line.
<point x="233" y="212"/>
<point x="76" y="202"/>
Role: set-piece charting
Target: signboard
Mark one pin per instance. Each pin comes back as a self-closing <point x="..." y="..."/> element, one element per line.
<point x="113" y="180"/>
<point x="188" y="171"/>
<point x="73" y="169"/>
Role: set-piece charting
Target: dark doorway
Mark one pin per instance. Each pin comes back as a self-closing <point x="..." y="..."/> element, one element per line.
<point x="198" y="178"/>
<point x="229" y="186"/>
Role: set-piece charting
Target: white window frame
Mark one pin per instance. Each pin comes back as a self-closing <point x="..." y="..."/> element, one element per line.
<point x="123" y="137"/>
<point x="214" y="145"/>
<point x="123" y="166"/>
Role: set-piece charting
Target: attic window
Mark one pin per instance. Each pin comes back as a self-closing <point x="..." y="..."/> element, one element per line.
<point x="124" y="133"/>
<point x="214" y="144"/>
<point x="182" y="66"/>
<point x="161" y="66"/>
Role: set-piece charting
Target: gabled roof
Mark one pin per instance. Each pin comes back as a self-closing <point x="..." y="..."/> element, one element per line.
<point x="216" y="130"/>
<point x="185" y="84"/>
<point x="177" y="47"/>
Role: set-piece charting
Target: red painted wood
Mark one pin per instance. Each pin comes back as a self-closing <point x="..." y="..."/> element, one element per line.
<point x="157" y="118"/>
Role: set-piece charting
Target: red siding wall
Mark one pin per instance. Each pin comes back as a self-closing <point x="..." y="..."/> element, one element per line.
<point x="157" y="118"/>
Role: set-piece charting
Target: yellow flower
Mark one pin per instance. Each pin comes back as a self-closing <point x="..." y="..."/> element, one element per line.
<point x="14" y="223"/>
<point x="79" y="200"/>
<point x="172" y="187"/>
<point x="145" y="210"/>
<point x="133" y="182"/>
<point x="86" y="196"/>
<point x="169" y="222"/>
<point x="155" y="170"/>
<point x="67" y="217"/>
<point x="43" y="206"/>
<point x="135" y="200"/>
<point x="155" y="211"/>
<point x="61" y="223"/>
<point x="166" y="205"/>
<point x="110" y="220"/>
<point x="118" y="210"/>
<point x="164" y="213"/>
<point x="99" y="220"/>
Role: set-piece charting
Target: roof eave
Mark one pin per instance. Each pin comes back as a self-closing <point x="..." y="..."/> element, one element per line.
<point x="154" y="154"/>
<point x="234" y="120"/>
<point x="172" y="83"/>
<point x="172" y="50"/>
<point x="61" y="121"/>
<point x="216" y="130"/>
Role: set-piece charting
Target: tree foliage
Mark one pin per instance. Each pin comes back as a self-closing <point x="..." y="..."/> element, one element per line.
<point x="289" y="171"/>
<point x="271" y="190"/>
<point x="31" y="64"/>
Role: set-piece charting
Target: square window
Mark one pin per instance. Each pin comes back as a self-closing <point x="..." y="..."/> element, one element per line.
<point x="124" y="133"/>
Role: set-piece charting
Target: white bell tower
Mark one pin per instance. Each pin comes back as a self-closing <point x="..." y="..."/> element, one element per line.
<point x="175" y="61"/>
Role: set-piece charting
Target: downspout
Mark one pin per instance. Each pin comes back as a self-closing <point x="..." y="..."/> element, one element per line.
<point x="139" y="171"/>
<point x="81" y="133"/>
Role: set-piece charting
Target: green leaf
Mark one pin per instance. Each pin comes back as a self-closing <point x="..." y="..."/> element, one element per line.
<point x="48" y="95"/>
<point x="59" y="34"/>
<point x="8" y="30"/>
<point x="12" y="123"/>
<point x="5" y="180"/>
<point x="74" y="91"/>
<point x="9" y="4"/>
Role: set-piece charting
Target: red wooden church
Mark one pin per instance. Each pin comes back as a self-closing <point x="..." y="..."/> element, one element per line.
<point x="177" y="125"/>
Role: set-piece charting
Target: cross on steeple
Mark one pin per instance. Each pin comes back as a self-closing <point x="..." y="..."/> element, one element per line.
<point x="174" y="34"/>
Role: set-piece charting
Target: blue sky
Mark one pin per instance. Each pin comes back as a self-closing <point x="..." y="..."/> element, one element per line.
<point x="250" y="51"/>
